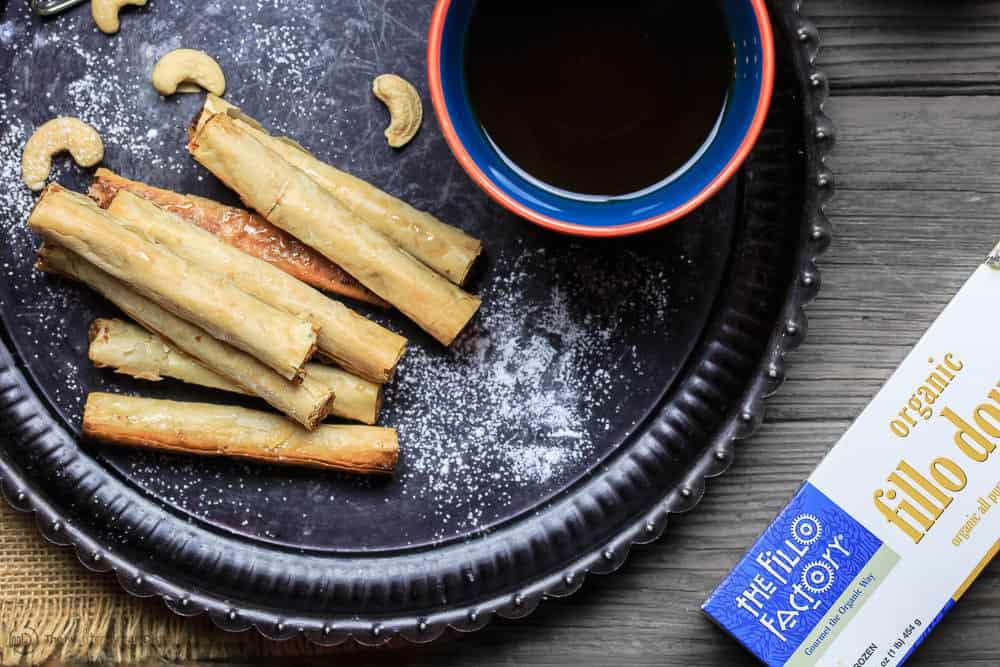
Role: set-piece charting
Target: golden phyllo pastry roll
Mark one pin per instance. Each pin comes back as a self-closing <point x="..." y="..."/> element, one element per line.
<point x="226" y="430"/>
<point x="308" y="401"/>
<point x="343" y="336"/>
<point x="241" y="229"/>
<point x="190" y="291"/>
<point x="287" y="197"/>
<point x="131" y="350"/>
<point x="444" y="248"/>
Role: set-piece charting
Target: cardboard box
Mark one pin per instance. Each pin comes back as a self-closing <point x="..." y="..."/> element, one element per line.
<point x="900" y="517"/>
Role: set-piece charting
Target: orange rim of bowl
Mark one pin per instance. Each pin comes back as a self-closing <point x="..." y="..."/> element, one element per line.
<point x="514" y="206"/>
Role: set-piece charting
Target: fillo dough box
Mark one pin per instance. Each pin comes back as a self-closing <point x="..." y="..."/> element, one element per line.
<point x="900" y="517"/>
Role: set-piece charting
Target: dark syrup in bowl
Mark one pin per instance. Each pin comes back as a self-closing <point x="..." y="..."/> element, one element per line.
<point x="604" y="99"/>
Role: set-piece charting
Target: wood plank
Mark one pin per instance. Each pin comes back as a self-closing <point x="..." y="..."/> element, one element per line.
<point x="895" y="211"/>
<point x="908" y="47"/>
<point x="943" y="146"/>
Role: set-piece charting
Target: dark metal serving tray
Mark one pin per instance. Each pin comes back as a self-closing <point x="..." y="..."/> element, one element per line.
<point x="600" y="385"/>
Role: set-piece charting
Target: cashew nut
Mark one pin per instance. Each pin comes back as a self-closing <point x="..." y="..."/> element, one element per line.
<point x="405" y="110"/>
<point x="180" y="70"/>
<point x="58" y="135"/>
<point x="106" y="13"/>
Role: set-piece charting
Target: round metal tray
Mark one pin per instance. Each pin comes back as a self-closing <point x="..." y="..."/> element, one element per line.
<point x="602" y="383"/>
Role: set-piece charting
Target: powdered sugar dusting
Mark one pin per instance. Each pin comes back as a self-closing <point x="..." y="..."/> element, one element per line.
<point x="41" y="310"/>
<point x="521" y="386"/>
<point x="14" y="197"/>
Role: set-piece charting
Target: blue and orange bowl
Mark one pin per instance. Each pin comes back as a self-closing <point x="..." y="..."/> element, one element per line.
<point x="675" y="197"/>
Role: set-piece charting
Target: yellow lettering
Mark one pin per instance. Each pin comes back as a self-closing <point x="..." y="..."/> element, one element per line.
<point x="929" y="397"/>
<point x="893" y="517"/>
<point x="913" y="474"/>
<point x="923" y="410"/>
<point x="971" y="442"/>
<point x="955" y="365"/>
<point x="947" y="373"/>
<point x="938" y="382"/>
<point x="991" y="425"/>
<point x="955" y="483"/>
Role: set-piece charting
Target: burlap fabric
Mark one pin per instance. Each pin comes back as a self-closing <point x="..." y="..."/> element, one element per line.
<point x="53" y="609"/>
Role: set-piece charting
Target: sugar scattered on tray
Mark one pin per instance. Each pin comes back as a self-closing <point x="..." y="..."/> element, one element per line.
<point x="524" y="376"/>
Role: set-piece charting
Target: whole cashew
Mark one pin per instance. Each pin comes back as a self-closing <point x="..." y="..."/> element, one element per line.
<point x="106" y="13"/>
<point x="58" y="135"/>
<point x="405" y="110"/>
<point x="177" y="71"/>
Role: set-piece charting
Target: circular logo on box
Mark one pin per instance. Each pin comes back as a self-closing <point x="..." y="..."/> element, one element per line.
<point x="806" y="529"/>
<point x="817" y="577"/>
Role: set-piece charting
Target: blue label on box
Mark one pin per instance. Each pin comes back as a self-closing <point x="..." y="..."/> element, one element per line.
<point x="792" y="577"/>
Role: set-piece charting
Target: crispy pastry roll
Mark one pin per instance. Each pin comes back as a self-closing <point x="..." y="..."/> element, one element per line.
<point x="241" y="229"/>
<point x="358" y="344"/>
<point x="290" y="199"/>
<point x="446" y="249"/>
<point x="131" y="350"/>
<point x="225" y="430"/>
<point x="280" y="340"/>
<point x="307" y="402"/>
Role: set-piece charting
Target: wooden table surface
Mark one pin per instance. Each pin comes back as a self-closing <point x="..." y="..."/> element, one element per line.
<point x="917" y="162"/>
<point x="915" y="87"/>
<point x="914" y="98"/>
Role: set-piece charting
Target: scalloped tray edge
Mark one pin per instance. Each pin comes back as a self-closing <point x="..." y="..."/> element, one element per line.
<point x="769" y="377"/>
